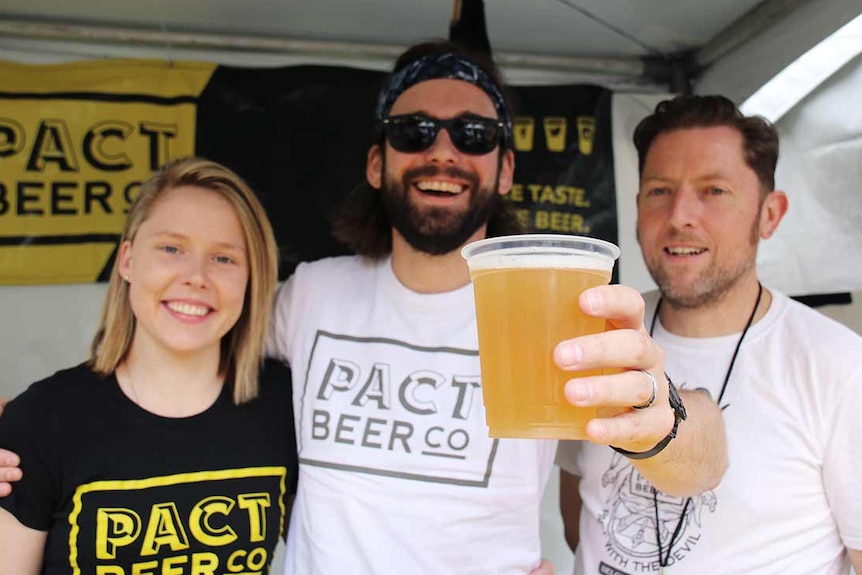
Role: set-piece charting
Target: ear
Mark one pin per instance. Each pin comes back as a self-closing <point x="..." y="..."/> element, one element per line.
<point x="507" y="172"/>
<point x="773" y="209"/>
<point x="124" y="259"/>
<point x="374" y="166"/>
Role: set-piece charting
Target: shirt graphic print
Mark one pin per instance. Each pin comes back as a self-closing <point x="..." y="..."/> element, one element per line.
<point x="204" y="522"/>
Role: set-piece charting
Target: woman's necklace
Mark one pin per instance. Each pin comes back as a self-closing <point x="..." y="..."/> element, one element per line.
<point x="133" y="393"/>
<point x="663" y="560"/>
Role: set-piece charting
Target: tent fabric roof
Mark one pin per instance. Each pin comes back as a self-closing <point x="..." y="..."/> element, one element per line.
<point x="582" y="27"/>
<point x="739" y="44"/>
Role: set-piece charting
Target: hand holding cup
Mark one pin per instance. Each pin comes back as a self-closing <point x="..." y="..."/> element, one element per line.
<point x="620" y="355"/>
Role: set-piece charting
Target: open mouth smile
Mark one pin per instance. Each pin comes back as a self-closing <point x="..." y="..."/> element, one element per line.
<point x="188" y="309"/>
<point x="440" y="187"/>
<point x="684" y="251"/>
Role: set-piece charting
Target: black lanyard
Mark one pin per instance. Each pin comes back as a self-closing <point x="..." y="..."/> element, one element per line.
<point x="662" y="561"/>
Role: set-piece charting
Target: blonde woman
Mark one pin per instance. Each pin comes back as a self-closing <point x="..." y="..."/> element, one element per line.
<point x="169" y="450"/>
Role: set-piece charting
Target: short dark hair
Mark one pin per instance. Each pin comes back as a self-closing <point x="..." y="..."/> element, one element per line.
<point x="360" y="222"/>
<point x="759" y="136"/>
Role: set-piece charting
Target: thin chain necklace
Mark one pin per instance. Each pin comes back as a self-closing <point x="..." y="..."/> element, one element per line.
<point x="663" y="560"/>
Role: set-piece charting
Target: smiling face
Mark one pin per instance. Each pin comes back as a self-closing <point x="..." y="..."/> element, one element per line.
<point x="701" y="214"/>
<point x="440" y="198"/>
<point x="188" y="271"/>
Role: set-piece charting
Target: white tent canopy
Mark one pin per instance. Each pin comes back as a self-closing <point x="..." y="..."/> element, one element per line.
<point x="635" y="47"/>
<point x="817" y="246"/>
<point x="731" y="46"/>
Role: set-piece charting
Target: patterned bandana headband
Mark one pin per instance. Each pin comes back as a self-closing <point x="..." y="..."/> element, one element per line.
<point x="442" y="66"/>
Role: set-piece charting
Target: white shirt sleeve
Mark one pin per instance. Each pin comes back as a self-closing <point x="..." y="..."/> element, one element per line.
<point x="278" y="341"/>
<point x="567" y="456"/>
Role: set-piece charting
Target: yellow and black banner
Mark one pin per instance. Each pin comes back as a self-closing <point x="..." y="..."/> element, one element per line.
<point x="564" y="174"/>
<point x="76" y="141"/>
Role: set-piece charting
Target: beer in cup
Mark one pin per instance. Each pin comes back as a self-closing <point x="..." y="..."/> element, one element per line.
<point x="526" y="289"/>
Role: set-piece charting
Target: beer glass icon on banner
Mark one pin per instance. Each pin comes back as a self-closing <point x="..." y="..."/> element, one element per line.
<point x="586" y="133"/>
<point x="555" y="133"/>
<point x="524" y="131"/>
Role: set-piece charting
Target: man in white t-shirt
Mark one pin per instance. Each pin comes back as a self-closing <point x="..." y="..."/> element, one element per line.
<point x="397" y="472"/>
<point x="787" y="378"/>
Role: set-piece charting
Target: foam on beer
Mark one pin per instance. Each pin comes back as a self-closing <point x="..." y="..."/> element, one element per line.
<point x="538" y="258"/>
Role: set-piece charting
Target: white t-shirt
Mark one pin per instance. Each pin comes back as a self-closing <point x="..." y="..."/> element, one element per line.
<point x="791" y="500"/>
<point x="397" y="473"/>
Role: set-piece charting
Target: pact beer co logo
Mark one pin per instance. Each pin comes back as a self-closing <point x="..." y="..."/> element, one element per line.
<point x="631" y="521"/>
<point x="208" y="522"/>
<point x="76" y="142"/>
<point x="386" y="407"/>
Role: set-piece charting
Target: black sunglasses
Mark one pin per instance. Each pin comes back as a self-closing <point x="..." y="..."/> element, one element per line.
<point x="474" y="135"/>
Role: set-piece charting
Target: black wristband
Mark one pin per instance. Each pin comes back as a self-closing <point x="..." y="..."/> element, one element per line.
<point x="679" y="414"/>
<point x="656" y="449"/>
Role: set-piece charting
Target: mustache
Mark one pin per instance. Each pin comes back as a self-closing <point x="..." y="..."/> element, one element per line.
<point x="683" y="238"/>
<point x="437" y="171"/>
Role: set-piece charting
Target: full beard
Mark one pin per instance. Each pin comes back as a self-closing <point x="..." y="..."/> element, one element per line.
<point x="437" y="230"/>
<point x="708" y="289"/>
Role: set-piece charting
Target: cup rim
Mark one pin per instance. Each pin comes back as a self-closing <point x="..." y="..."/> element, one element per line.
<point x="542" y="243"/>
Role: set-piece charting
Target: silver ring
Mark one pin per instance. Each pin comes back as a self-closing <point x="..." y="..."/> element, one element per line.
<point x="654" y="390"/>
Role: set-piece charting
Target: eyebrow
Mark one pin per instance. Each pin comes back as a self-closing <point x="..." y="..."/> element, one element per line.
<point x="704" y="178"/>
<point x="424" y="112"/>
<point x="222" y="245"/>
<point x="653" y="180"/>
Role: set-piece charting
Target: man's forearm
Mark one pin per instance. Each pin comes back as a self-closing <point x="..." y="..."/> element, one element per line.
<point x="695" y="460"/>
<point x="855" y="559"/>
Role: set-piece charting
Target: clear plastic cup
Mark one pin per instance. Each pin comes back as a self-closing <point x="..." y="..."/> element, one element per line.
<point x="526" y="289"/>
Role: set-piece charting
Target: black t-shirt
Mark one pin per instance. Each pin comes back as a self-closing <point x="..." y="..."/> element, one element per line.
<point x="121" y="490"/>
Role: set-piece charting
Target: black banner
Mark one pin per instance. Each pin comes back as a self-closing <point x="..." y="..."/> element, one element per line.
<point x="77" y="139"/>
<point x="300" y="136"/>
<point x="564" y="168"/>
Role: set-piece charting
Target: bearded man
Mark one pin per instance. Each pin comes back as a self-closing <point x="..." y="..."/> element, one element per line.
<point x="397" y="472"/>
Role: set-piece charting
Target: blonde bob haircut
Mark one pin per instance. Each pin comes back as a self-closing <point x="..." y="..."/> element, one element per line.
<point x="242" y="348"/>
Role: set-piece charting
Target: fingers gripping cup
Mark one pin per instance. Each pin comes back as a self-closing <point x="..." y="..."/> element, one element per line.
<point x="526" y="290"/>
